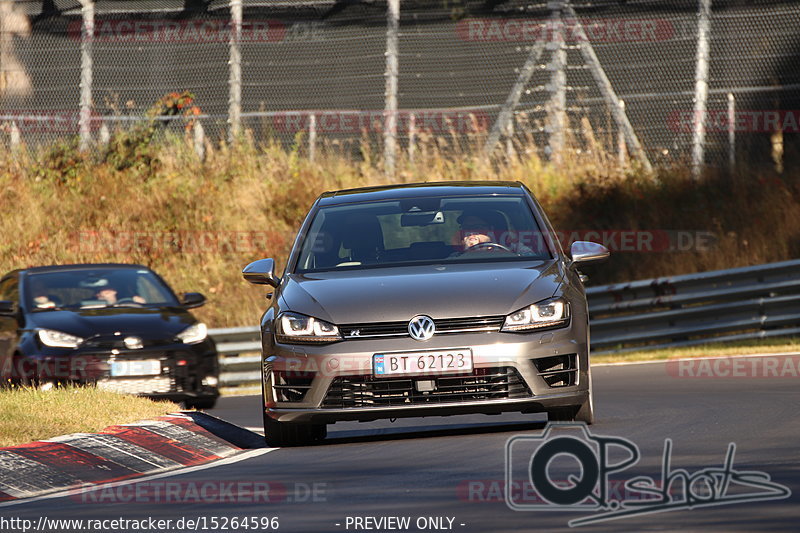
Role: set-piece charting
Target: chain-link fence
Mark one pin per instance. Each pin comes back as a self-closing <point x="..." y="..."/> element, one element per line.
<point x="559" y="76"/>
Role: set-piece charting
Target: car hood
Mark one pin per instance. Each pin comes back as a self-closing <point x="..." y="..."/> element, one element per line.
<point x="148" y="323"/>
<point x="441" y="291"/>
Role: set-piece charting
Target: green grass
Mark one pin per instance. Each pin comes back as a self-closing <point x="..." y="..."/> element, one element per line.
<point x="29" y="414"/>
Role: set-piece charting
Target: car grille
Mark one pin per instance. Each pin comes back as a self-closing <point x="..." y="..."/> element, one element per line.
<point x="174" y="377"/>
<point x="558" y="370"/>
<point x="443" y="326"/>
<point x="151" y="385"/>
<point x="110" y="342"/>
<point x="497" y="383"/>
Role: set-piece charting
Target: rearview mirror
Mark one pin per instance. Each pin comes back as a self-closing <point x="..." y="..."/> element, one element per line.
<point x="8" y="308"/>
<point x="190" y="300"/>
<point x="585" y="252"/>
<point x="421" y="219"/>
<point x="261" y="272"/>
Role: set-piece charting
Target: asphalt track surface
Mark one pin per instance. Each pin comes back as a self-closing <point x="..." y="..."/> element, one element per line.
<point x="453" y="467"/>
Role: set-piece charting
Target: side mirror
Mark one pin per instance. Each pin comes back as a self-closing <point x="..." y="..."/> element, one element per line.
<point x="584" y="252"/>
<point x="8" y="308"/>
<point x="261" y="272"/>
<point x="190" y="300"/>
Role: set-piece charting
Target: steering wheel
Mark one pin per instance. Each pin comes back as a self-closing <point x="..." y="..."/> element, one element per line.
<point x="129" y="301"/>
<point x="489" y="245"/>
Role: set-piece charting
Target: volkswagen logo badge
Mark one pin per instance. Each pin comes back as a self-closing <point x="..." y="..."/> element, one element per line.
<point x="133" y="343"/>
<point x="421" y="327"/>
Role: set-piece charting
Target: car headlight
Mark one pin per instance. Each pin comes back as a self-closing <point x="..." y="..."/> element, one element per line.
<point x="58" y="339"/>
<point x="297" y="328"/>
<point x="550" y="313"/>
<point x="194" y="334"/>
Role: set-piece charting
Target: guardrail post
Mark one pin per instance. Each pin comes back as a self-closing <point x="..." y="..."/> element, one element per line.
<point x="87" y="36"/>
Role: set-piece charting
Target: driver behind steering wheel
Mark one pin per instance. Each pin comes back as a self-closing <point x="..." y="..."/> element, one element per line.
<point x="109" y="294"/>
<point x="474" y="231"/>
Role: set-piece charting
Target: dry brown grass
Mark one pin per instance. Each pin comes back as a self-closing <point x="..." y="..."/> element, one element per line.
<point x="53" y="198"/>
<point x="29" y="414"/>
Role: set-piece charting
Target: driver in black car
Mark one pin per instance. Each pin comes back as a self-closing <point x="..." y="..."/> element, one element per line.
<point x="109" y="294"/>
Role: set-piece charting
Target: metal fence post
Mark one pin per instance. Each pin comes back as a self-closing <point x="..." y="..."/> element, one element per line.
<point x="392" y="71"/>
<point x="621" y="147"/>
<point x="199" y="140"/>
<point x="14" y="136"/>
<point x="606" y="89"/>
<point x="235" y="71"/>
<point x="731" y="132"/>
<point x="87" y="36"/>
<point x="312" y="136"/>
<point x="701" y="89"/>
<point x="556" y="107"/>
<point x="412" y="137"/>
<point x="506" y="114"/>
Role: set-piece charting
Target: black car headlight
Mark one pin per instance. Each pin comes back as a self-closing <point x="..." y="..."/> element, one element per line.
<point x="194" y="334"/>
<point x="551" y="313"/>
<point x="58" y="339"/>
<point x="294" y="328"/>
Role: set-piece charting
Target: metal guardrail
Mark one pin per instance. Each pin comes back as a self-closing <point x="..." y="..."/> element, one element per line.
<point x="719" y="306"/>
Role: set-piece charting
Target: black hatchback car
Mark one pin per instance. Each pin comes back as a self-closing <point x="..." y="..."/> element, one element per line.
<point x="118" y="326"/>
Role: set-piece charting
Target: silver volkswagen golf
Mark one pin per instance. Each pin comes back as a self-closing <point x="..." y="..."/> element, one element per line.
<point x="423" y="300"/>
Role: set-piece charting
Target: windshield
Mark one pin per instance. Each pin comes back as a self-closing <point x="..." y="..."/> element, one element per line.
<point x="422" y="230"/>
<point x="87" y="289"/>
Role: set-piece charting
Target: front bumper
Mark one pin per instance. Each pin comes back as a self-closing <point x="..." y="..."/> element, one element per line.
<point x="186" y="371"/>
<point x="321" y="369"/>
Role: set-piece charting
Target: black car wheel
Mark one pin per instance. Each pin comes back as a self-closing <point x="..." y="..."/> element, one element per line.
<point x="200" y="403"/>
<point x="287" y="434"/>
<point x="280" y="434"/>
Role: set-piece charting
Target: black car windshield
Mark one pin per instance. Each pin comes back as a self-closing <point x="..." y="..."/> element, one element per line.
<point x="422" y="230"/>
<point x="96" y="288"/>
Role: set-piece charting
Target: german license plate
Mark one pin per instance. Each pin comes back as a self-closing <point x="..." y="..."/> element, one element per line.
<point x="434" y="362"/>
<point x="144" y="367"/>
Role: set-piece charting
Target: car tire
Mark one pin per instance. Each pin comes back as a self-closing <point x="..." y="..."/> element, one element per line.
<point x="200" y="403"/>
<point x="576" y="413"/>
<point x="279" y="434"/>
<point x="579" y="413"/>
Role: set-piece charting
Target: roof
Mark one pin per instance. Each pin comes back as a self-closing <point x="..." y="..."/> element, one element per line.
<point x="415" y="190"/>
<point x="79" y="266"/>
